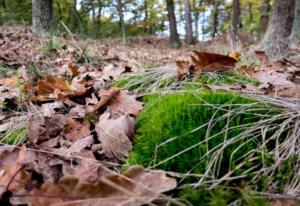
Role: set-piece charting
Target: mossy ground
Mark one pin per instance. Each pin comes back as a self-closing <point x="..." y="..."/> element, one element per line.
<point x="183" y="132"/>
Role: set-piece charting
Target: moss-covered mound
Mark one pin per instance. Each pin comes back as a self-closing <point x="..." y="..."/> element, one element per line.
<point x="184" y="132"/>
<point x="206" y="137"/>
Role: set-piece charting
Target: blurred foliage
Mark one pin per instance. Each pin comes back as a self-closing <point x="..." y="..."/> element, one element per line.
<point x="99" y="18"/>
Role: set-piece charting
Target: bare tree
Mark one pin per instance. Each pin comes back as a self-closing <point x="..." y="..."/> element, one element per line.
<point x="41" y="16"/>
<point x="295" y="35"/>
<point x="188" y="23"/>
<point x="235" y="19"/>
<point x="174" y="38"/>
<point x="215" y="18"/>
<point x="275" y="42"/>
<point x="121" y="19"/>
<point x="264" y="17"/>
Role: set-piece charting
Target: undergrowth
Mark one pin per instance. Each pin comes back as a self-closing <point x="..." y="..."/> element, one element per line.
<point x="150" y="81"/>
<point x="210" y="140"/>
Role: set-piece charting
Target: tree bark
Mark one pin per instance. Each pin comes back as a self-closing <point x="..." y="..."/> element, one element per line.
<point x="196" y="17"/>
<point x="275" y="42"/>
<point x="93" y="20"/>
<point x="235" y="19"/>
<point x="295" y="36"/>
<point x="215" y="18"/>
<point x="188" y="23"/>
<point x="174" y="38"/>
<point x="264" y="18"/>
<point x="3" y="3"/>
<point x="41" y="16"/>
<point x="121" y="19"/>
<point x="72" y="16"/>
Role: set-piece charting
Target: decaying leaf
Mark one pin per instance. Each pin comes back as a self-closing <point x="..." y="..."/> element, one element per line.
<point x="9" y="82"/>
<point x="115" y="135"/>
<point x="134" y="187"/>
<point x="117" y="102"/>
<point x="205" y="62"/>
<point x="208" y="62"/>
<point x="12" y="175"/>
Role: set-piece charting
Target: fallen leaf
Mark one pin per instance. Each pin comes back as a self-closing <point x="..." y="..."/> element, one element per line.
<point x="115" y="135"/>
<point x="12" y="177"/>
<point x="208" y="62"/>
<point x="134" y="187"/>
<point x="9" y="82"/>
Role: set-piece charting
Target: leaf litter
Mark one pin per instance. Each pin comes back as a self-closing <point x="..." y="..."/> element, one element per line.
<point x="79" y="130"/>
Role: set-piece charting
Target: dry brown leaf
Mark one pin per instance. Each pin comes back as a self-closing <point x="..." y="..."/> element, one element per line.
<point x="106" y="96"/>
<point x="208" y="62"/>
<point x="124" y="104"/>
<point x="49" y="84"/>
<point x="135" y="186"/>
<point x="73" y="70"/>
<point x="115" y="135"/>
<point x="12" y="177"/>
<point x="9" y="82"/>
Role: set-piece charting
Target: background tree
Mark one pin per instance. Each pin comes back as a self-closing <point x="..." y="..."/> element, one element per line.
<point x="275" y="42"/>
<point x="264" y="17"/>
<point x="174" y="38"/>
<point x="41" y="16"/>
<point x="295" y="35"/>
<point x="121" y="19"/>
<point x="235" y="19"/>
<point x="188" y="23"/>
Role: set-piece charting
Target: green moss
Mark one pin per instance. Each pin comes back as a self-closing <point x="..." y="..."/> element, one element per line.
<point x="220" y="196"/>
<point x="177" y="115"/>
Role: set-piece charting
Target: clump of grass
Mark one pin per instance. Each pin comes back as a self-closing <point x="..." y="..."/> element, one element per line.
<point x="162" y="80"/>
<point x="14" y="136"/>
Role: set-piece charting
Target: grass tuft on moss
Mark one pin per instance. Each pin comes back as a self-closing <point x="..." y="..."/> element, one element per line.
<point x="151" y="80"/>
<point x="176" y="132"/>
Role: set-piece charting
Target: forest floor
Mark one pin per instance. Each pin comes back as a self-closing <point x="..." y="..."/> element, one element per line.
<point x="68" y="108"/>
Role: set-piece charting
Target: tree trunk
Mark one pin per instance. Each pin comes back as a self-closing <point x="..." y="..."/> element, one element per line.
<point x="3" y="3"/>
<point x="93" y="21"/>
<point x="196" y="17"/>
<point x="275" y="42"/>
<point x="121" y="19"/>
<point x="295" y="36"/>
<point x="215" y="18"/>
<point x="264" y="17"/>
<point x="72" y="16"/>
<point x="172" y="25"/>
<point x="235" y="19"/>
<point x="41" y="16"/>
<point x="188" y="23"/>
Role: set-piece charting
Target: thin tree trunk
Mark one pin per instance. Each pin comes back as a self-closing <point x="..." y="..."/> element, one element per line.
<point x="72" y="16"/>
<point x="295" y="36"/>
<point x="235" y="19"/>
<point x="215" y="18"/>
<point x="188" y="23"/>
<point x="275" y="42"/>
<point x="174" y="38"/>
<point x="3" y="3"/>
<point x="264" y="17"/>
<point x="196" y="17"/>
<point x="93" y="21"/>
<point x="122" y="22"/>
<point x="41" y="16"/>
<point x="250" y="11"/>
<point x="146" y="29"/>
